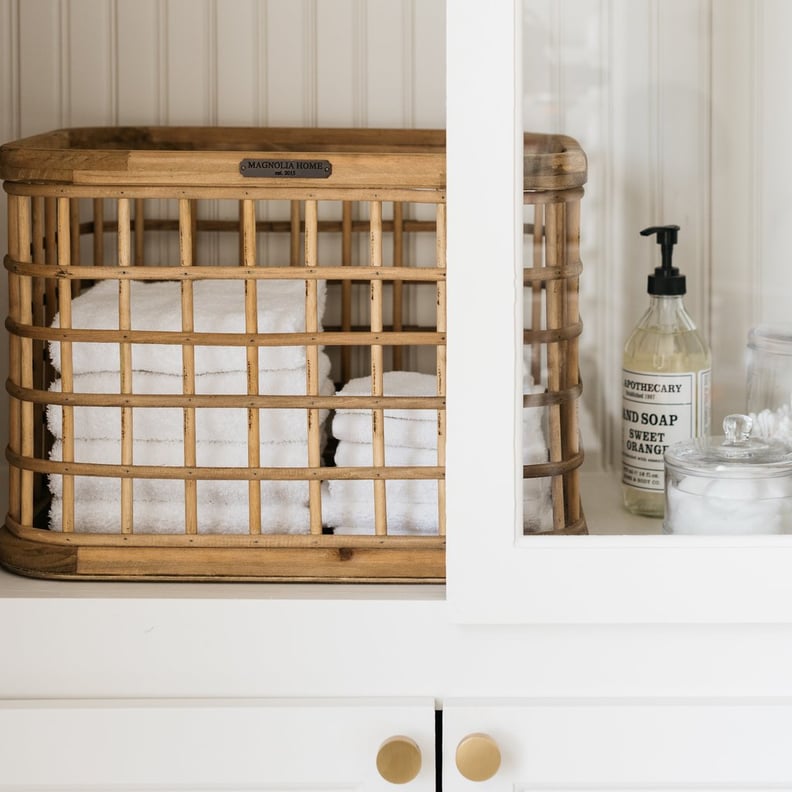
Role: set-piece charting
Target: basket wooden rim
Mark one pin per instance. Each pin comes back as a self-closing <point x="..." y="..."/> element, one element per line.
<point x="159" y="155"/>
<point x="116" y="539"/>
<point x="352" y="562"/>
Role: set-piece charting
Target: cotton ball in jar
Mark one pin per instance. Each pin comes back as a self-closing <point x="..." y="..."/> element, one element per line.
<point x="707" y="506"/>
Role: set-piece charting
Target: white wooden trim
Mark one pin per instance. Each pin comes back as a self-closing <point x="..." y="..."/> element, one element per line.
<point x="484" y="166"/>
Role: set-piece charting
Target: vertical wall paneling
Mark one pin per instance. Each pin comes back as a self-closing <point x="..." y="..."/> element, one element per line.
<point x="89" y="62"/>
<point x="683" y="141"/>
<point x="239" y="99"/>
<point x="388" y="63"/>
<point x="633" y="161"/>
<point x="428" y="72"/>
<point x="774" y="124"/>
<point x="9" y="71"/>
<point x="735" y="205"/>
<point x="138" y="78"/>
<point x="614" y="285"/>
<point x="191" y="58"/>
<point x="540" y="57"/>
<point x="339" y="67"/>
<point x="41" y="79"/>
<point x="290" y="72"/>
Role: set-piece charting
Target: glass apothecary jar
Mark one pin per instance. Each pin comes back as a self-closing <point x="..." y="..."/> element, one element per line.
<point x="769" y="381"/>
<point x="733" y="484"/>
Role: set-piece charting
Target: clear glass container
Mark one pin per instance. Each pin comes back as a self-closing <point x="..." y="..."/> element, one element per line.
<point x="769" y="391"/>
<point x="734" y="484"/>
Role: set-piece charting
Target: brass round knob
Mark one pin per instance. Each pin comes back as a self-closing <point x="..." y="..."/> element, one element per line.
<point x="478" y="757"/>
<point x="399" y="759"/>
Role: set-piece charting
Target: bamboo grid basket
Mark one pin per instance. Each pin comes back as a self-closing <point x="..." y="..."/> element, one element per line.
<point x="356" y="220"/>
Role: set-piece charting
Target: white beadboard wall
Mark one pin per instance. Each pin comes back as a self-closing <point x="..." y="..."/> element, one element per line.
<point x="683" y="107"/>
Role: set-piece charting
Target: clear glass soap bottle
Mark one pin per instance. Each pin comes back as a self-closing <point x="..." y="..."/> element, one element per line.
<point x="665" y="384"/>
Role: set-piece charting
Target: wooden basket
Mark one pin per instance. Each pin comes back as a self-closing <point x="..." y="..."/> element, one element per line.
<point x="193" y="436"/>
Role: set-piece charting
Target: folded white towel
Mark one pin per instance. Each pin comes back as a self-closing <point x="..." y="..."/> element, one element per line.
<point x="167" y="491"/>
<point x="171" y="453"/>
<point x="96" y="516"/>
<point x="395" y="383"/>
<point x="404" y="490"/>
<point x="537" y="515"/>
<point x="357" y="428"/>
<point x="271" y="381"/>
<point x="219" y="307"/>
<point x="349" y="454"/>
<point x="212" y="423"/>
<point x="536" y="491"/>
<point x="361" y="455"/>
<point x="415" y="428"/>
<point x="348" y="516"/>
<point x="357" y="517"/>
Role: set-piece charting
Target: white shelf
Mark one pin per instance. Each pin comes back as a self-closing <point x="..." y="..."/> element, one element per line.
<point x="605" y="515"/>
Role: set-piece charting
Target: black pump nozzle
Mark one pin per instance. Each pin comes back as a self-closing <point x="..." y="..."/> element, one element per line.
<point x="666" y="279"/>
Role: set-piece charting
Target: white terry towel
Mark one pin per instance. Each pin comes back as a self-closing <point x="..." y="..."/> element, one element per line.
<point x="349" y="454"/>
<point x="271" y="381"/>
<point x="171" y="454"/>
<point x="402" y="427"/>
<point x="403" y="490"/>
<point x="96" y="516"/>
<point x="411" y="506"/>
<point x="219" y="307"/>
<point x="395" y="383"/>
<point x="413" y="428"/>
<point x="537" y="505"/>
<point x="423" y="434"/>
<point x="361" y="455"/>
<point x="357" y="517"/>
<point x="349" y="505"/>
<point x="212" y="423"/>
<point x="415" y="518"/>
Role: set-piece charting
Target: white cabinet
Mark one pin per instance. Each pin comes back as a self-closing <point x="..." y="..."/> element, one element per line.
<point x="601" y="662"/>
<point x="307" y="745"/>
<point x="222" y="745"/>
<point x="640" y="744"/>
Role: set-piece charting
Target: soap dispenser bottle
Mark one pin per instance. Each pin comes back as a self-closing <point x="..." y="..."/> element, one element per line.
<point x="665" y="383"/>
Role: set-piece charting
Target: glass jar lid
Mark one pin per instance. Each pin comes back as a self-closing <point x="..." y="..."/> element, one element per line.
<point x="734" y="455"/>
<point x="775" y="339"/>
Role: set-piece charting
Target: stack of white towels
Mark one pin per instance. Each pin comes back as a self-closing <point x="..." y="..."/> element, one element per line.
<point x="221" y="433"/>
<point x="411" y="439"/>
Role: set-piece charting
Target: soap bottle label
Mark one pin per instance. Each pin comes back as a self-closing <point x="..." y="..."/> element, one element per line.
<point x="657" y="411"/>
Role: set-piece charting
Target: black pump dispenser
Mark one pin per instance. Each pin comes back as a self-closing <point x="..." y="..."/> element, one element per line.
<point x="666" y="279"/>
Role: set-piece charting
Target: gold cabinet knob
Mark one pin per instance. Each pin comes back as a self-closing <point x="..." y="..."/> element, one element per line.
<point x="399" y="759"/>
<point x="478" y="757"/>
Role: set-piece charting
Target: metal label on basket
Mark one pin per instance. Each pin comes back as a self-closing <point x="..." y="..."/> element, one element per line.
<point x="286" y="168"/>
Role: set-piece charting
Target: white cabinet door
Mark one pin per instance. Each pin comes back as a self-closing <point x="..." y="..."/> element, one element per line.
<point x="494" y="574"/>
<point x="168" y="745"/>
<point x="628" y="744"/>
